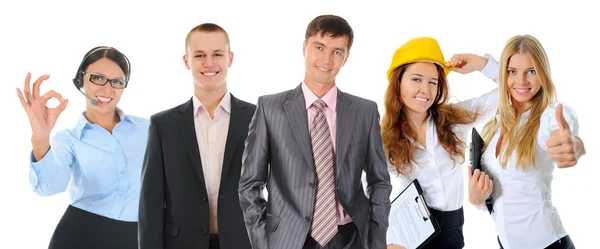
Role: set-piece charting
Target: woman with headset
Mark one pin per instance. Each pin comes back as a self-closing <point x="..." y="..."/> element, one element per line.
<point x="100" y="156"/>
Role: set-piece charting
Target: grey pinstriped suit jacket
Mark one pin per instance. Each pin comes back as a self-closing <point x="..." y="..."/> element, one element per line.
<point x="278" y="154"/>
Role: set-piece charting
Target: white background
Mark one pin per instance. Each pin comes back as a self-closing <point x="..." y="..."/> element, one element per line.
<point x="52" y="36"/>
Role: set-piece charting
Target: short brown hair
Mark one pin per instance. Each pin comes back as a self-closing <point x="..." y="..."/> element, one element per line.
<point x="332" y="25"/>
<point x="207" y="28"/>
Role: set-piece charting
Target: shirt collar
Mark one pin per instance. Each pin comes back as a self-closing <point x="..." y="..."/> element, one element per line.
<point x="225" y="104"/>
<point x="83" y="123"/>
<point x="430" y="128"/>
<point x="524" y="117"/>
<point x="330" y="98"/>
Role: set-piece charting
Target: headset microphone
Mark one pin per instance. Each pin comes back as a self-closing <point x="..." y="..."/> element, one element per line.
<point x="92" y="101"/>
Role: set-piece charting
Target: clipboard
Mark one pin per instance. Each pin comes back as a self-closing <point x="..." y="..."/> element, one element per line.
<point x="476" y="150"/>
<point x="411" y="223"/>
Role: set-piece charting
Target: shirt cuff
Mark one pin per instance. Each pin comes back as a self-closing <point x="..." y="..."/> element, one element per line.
<point x="42" y="169"/>
<point x="491" y="68"/>
<point x="481" y="207"/>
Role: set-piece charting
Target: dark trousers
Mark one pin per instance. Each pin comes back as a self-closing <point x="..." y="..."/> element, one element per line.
<point x="562" y="243"/>
<point x="451" y="235"/>
<point x="81" y="229"/>
<point x="346" y="238"/>
<point x="213" y="242"/>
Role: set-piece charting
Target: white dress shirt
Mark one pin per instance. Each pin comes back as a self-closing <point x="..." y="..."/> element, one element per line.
<point x="523" y="211"/>
<point x="441" y="179"/>
<point x="211" y="134"/>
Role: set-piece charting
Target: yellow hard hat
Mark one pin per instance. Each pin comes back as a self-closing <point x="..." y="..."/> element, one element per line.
<point x="421" y="49"/>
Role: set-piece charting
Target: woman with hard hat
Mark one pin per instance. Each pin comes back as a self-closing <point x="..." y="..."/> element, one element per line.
<point x="424" y="135"/>
<point x="530" y="135"/>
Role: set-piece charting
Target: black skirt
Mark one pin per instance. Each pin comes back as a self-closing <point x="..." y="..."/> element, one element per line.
<point x="82" y="229"/>
<point x="451" y="225"/>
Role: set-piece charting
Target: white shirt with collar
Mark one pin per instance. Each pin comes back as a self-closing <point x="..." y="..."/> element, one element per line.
<point x="211" y="135"/>
<point x="441" y="179"/>
<point x="523" y="211"/>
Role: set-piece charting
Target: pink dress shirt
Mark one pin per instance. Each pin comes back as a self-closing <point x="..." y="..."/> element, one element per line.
<point x="330" y="98"/>
<point x="211" y="134"/>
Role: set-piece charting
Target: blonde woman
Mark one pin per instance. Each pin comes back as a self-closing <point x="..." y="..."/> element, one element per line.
<point x="530" y="135"/>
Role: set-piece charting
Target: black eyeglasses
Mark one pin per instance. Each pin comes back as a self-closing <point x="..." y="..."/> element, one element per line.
<point x="101" y="81"/>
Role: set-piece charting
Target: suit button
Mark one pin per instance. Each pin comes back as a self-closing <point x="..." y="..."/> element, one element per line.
<point x="307" y="219"/>
<point x="312" y="185"/>
<point x="204" y="232"/>
<point x="220" y="197"/>
<point x="205" y="200"/>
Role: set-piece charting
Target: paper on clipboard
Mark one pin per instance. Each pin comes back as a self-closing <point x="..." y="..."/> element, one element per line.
<point x="410" y="223"/>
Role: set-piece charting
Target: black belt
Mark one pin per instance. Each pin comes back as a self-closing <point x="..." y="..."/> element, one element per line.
<point x="562" y="243"/>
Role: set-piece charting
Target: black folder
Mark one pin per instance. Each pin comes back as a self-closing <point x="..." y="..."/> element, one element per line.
<point x="476" y="150"/>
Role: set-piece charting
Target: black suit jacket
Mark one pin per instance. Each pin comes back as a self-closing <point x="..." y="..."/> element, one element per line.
<point x="174" y="204"/>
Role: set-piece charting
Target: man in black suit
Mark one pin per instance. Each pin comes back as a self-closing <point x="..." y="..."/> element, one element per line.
<point x="310" y="146"/>
<point x="189" y="193"/>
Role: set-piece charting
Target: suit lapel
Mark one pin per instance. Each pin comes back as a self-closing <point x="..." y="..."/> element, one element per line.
<point x="185" y="124"/>
<point x="346" y="117"/>
<point x="295" y="111"/>
<point x="237" y="120"/>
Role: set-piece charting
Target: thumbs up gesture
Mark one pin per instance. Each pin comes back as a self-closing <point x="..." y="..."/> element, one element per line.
<point x="562" y="145"/>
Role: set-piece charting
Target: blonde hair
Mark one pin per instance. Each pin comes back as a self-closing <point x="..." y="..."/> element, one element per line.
<point x="515" y="138"/>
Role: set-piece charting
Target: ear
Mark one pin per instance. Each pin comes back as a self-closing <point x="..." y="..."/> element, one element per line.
<point x="304" y="48"/>
<point x="345" y="59"/>
<point x="230" y="59"/>
<point x="185" y="61"/>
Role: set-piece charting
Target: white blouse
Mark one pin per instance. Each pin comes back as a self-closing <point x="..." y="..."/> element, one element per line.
<point x="441" y="179"/>
<point x="523" y="211"/>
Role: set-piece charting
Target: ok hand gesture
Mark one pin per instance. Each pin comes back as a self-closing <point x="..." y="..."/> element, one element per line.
<point x="41" y="118"/>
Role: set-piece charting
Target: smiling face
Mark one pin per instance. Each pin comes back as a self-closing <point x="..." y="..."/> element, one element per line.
<point x="522" y="80"/>
<point x="209" y="58"/>
<point x="419" y="87"/>
<point x="101" y="71"/>
<point x="324" y="56"/>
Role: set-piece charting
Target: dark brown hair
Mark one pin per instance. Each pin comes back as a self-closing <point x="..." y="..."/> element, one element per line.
<point x="98" y="53"/>
<point x="331" y="25"/>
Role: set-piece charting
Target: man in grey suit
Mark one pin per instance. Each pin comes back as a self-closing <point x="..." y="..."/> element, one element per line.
<point x="316" y="197"/>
